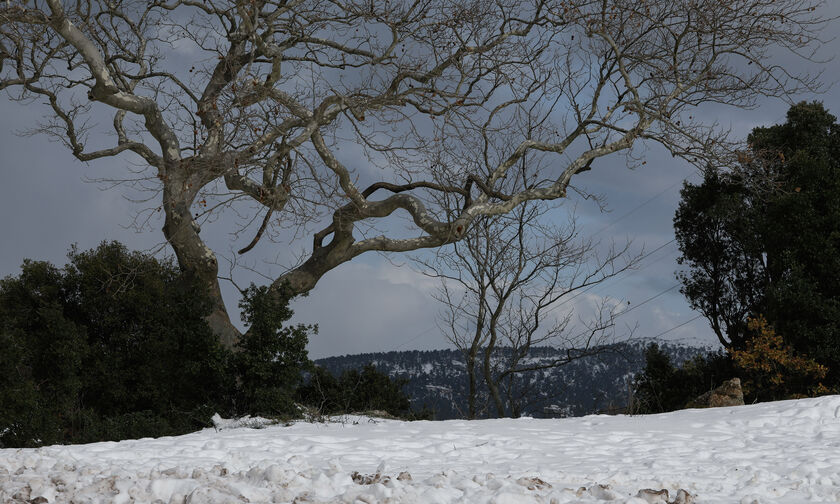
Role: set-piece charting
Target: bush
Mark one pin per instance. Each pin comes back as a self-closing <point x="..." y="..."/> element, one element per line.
<point x="769" y="370"/>
<point x="774" y="371"/>
<point x="663" y="387"/>
<point x="357" y="391"/>
<point x="41" y="352"/>
<point x="115" y="345"/>
<point x="150" y="348"/>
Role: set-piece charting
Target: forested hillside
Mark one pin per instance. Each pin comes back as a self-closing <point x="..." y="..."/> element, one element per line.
<point x="597" y="383"/>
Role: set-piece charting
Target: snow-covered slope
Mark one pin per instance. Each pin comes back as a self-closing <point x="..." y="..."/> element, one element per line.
<point x="784" y="452"/>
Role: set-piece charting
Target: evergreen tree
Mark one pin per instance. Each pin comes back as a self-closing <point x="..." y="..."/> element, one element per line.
<point x="151" y="352"/>
<point x="41" y="352"/>
<point x="763" y="240"/>
<point x="269" y="358"/>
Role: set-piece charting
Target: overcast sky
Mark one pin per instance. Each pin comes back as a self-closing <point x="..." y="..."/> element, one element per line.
<point x="372" y="303"/>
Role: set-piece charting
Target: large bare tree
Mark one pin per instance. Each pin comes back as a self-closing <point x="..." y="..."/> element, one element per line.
<point x="337" y="116"/>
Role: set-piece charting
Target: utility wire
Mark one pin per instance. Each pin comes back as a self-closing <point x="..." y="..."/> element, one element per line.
<point x="647" y="300"/>
<point x="414" y="338"/>
<point x="643" y="302"/>
<point x="678" y="326"/>
<point x="613" y="281"/>
<point x="645" y="256"/>
<point x="558" y="305"/>
<point x="611" y="224"/>
<point x="642" y="204"/>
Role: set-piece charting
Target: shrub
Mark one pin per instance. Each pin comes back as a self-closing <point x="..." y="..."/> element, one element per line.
<point x="115" y="345"/>
<point x="270" y="358"/>
<point x="150" y="349"/>
<point x="41" y="352"/>
<point x="774" y="370"/>
<point x="357" y="391"/>
<point x="663" y="387"/>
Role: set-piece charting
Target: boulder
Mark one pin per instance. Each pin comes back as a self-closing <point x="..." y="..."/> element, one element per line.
<point x="728" y="394"/>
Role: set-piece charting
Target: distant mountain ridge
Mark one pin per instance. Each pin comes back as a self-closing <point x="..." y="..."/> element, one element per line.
<point x="437" y="379"/>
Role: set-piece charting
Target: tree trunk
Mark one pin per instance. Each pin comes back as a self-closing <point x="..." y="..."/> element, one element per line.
<point x="488" y="374"/>
<point x="473" y="389"/>
<point x="195" y="259"/>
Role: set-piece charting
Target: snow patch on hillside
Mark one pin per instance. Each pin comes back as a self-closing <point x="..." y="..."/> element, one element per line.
<point x="767" y="453"/>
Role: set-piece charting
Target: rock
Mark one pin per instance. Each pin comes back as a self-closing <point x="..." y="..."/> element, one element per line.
<point x="684" y="497"/>
<point x="661" y="496"/>
<point x="603" y="492"/>
<point x="23" y="494"/>
<point x="404" y="476"/>
<point x="728" y="394"/>
<point x="214" y="495"/>
<point x="653" y="496"/>
<point x="533" y="483"/>
<point x="365" y="479"/>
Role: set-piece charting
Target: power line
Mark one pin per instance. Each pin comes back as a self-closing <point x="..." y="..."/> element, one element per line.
<point x="677" y="326"/>
<point x="643" y="302"/>
<point x="625" y="312"/>
<point x="647" y="300"/>
<point x="612" y="281"/>
<point x="414" y="338"/>
<point x="615" y="280"/>
<point x="555" y="307"/>
<point x="642" y="204"/>
<point x="642" y="258"/>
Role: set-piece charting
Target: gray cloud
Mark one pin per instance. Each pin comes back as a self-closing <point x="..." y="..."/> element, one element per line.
<point x="370" y="304"/>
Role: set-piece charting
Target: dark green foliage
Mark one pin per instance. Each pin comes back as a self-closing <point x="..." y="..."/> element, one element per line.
<point x="357" y="391"/>
<point x="663" y="387"/>
<point x="150" y="349"/>
<point x="715" y="229"/>
<point x="764" y="239"/>
<point x="114" y="345"/>
<point x="270" y="358"/>
<point x="323" y="393"/>
<point x="369" y="389"/>
<point x="802" y="234"/>
<point x="40" y="355"/>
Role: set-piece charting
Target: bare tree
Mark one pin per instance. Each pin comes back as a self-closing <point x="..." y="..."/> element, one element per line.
<point x="501" y="285"/>
<point x="247" y="105"/>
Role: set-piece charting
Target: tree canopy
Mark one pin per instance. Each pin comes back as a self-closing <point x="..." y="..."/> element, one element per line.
<point x="762" y="241"/>
<point x="335" y="117"/>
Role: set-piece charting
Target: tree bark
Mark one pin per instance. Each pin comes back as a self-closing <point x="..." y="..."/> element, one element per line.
<point x="471" y="407"/>
<point x="492" y="385"/>
<point x="195" y="259"/>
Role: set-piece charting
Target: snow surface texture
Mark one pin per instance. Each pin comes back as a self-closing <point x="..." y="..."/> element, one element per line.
<point x="784" y="452"/>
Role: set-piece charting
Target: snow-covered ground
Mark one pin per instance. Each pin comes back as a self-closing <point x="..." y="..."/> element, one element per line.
<point x="784" y="452"/>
